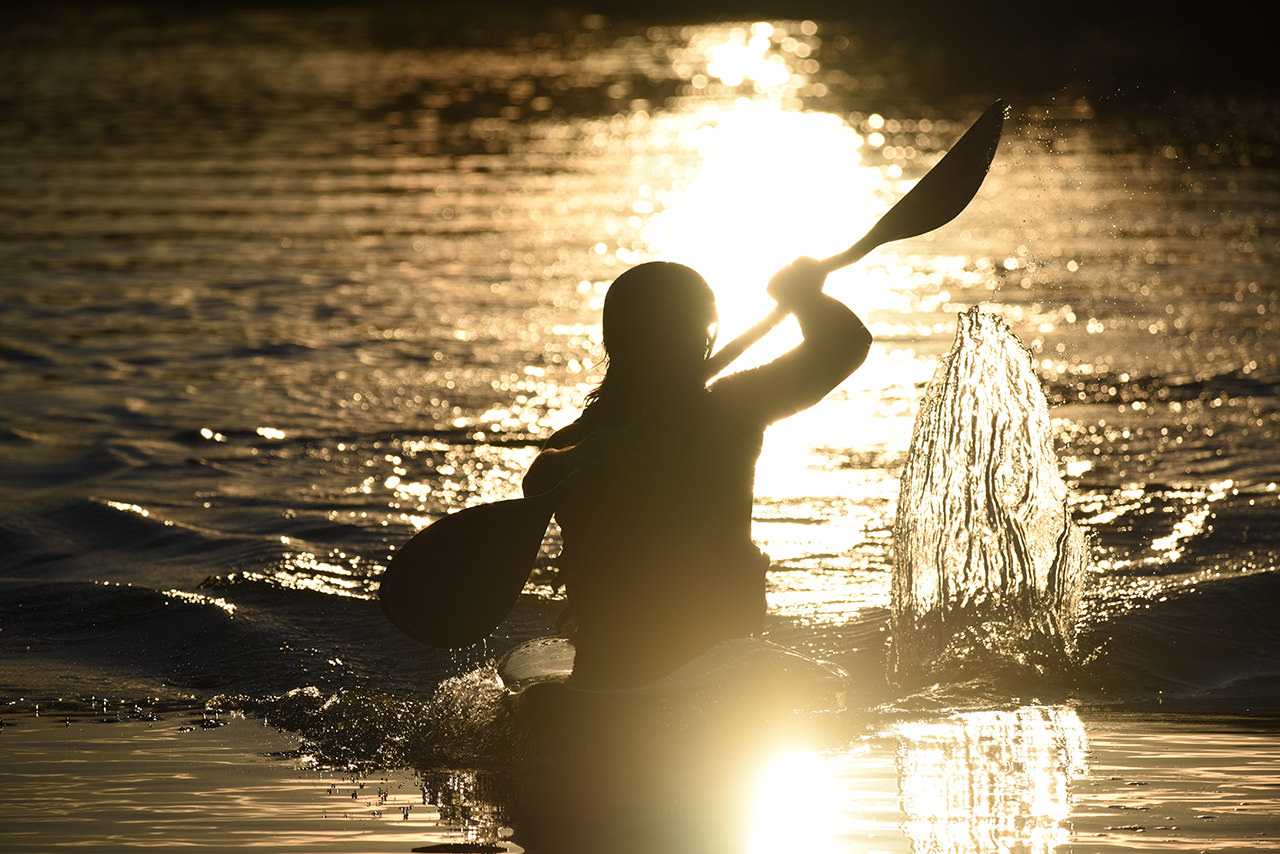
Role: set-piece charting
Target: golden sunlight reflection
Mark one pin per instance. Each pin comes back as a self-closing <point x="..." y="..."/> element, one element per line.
<point x="745" y="55"/>
<point x="795" y="806"/>
<point x="800" y="455"/>
<point x="826" y="490"/>
<point x="1170" y="547"/>
<point x="438" y="477"/>
<point x="201" y="599"/>
<point x="773" y="184"/>
<point x="775" y="59"/>
<point x="991" y="780"/>
<point x="737" y="177"/>
<point x="338" y="574"/>
<point x="1189" y="514"/>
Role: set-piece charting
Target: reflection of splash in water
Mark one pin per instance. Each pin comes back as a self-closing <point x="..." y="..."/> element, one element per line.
<point x="986" y="555"/>
<point x="990" y="781"/>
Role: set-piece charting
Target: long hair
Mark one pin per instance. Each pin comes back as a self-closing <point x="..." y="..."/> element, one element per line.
<point x="654" y="294"/>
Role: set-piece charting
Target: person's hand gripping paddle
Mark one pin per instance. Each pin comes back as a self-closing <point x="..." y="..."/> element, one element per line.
<point x="455" y="580"/>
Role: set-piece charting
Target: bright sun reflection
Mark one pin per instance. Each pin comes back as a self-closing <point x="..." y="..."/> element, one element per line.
<point x="745" y="55"/>
<point x="1170" y="547"/>
<point x="773" y="185"/>
<point x="772" y="181"/>
<point x="795" y="806"/>
<point x="990" y="781"/>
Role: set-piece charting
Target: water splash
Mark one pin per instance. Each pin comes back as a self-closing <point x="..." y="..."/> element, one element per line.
<point x="987" y="560"/>
<point x="463" y="724"/>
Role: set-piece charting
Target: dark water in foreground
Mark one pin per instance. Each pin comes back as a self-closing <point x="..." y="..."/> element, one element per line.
<point x="276" y="293"/>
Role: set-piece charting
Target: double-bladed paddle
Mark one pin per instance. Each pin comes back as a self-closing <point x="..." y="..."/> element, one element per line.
<point x="456" y="580"/>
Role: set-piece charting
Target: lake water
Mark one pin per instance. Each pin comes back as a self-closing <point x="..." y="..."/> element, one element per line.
<point x="280" y="288"/>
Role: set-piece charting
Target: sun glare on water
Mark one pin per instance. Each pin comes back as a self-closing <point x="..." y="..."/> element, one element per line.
<point x="795" y="806"/>
<point x="773" y="185"/>
<point x="772" y="181"/>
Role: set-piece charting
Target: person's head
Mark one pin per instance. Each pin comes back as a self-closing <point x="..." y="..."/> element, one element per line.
<point x="658" y="323"/>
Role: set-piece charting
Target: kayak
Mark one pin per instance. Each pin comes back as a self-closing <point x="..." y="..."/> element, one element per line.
<point x="582" y="757"/>
<point x="593" y="764"/>
<point x="749" y="675"/>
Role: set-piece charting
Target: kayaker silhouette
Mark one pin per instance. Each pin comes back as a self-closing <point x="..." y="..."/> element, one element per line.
<point x="657" y="557"/>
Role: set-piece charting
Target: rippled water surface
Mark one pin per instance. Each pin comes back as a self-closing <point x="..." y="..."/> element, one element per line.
<point x="278" y="290"/>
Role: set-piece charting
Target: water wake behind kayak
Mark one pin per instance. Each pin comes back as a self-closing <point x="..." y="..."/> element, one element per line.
<point x="987" y="560"/>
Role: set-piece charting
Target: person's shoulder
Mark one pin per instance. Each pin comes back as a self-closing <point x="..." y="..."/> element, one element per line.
<point x="743" y="396"/>
<point x="575" y="432"/>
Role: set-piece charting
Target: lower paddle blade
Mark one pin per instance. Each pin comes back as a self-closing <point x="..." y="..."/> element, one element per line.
<point x="456" y="580"/>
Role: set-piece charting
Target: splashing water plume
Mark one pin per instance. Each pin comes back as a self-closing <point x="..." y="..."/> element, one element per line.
<point x="987" y="559"/>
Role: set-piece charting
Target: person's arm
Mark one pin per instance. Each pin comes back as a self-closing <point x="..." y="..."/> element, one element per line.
<point x="835" y="344"/>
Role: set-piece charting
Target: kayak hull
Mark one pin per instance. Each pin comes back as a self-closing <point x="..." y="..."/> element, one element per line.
<point x="729" y="669"/>
<point x="740" y="691"/>
<point x="597" y="764"/>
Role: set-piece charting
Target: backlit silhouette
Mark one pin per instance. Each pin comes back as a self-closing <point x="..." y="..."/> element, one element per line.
<point x="658" y="558"/>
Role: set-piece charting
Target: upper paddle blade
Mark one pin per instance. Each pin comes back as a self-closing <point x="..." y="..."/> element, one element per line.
<point x="456" y="580"/>
<point x="948" y="187"/>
